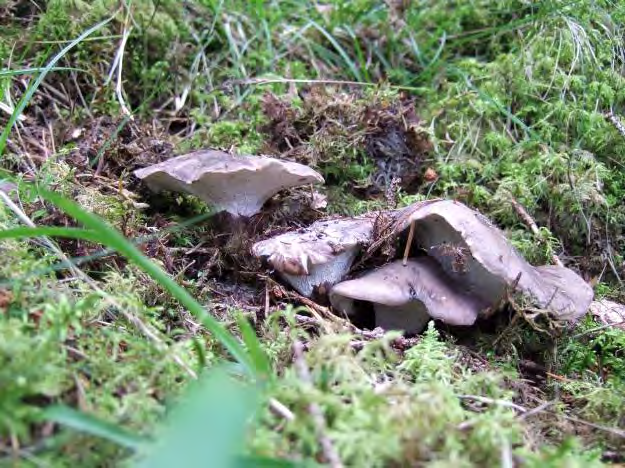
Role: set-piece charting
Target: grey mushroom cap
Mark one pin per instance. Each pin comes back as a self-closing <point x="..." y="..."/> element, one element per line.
<point x="609" y="313"/>
<point x="320" y="254"/>
<point x="479" y="256"/>
<point x="239" y="185"/>
<point x="407" y="297"/>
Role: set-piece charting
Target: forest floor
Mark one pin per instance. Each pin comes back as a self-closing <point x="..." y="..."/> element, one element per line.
<point x="493" y="104"/>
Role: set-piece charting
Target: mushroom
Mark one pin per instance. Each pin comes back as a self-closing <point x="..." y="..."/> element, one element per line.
<point x="478" y="255"/>
<point x="9" y="190"/>
<point x="609" y="313"/>
<point x="239" y="185"/>
<point x="406" y="297"/>
<point x="320" y="254"/>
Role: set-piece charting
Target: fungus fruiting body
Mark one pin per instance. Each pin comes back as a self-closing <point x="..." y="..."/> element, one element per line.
<point x="323" y="253"/>
<point x="239" y="185"/>
<point x="406" y="296"/>
<point x="478" y="256"/>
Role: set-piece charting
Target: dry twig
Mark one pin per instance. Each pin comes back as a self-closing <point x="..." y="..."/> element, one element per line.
<point x="320" y="310"/>
<point x="541" y="409"/>
<point x="529" y="221"/>
<point x="408" y="243"/>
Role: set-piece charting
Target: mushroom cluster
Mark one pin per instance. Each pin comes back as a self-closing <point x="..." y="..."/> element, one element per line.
<point x="457" y="265"/>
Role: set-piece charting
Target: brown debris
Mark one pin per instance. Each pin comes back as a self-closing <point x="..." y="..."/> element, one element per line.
<point x="387" y="131"/>
<point x="6" y="298"/>
<point x="113" y="148"/>
<point x="430" y="175"/>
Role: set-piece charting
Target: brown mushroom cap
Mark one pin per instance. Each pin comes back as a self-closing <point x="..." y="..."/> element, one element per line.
<point x="478" y="255"/>
<point x="406" y="297"/>
<point x="319" y="254"/>
<point x="239" y="185"/>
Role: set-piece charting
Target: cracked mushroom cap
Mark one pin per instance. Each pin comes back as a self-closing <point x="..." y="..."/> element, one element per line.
<point x="239" y="185"/>
<point x="407" y="297"/>
<point x="609" y="313"/>
<point x="320" y="254"/>
<point x="479" y="256"/>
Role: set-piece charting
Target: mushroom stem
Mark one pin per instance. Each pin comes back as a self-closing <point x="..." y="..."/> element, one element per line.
<point x="408" y="243"/>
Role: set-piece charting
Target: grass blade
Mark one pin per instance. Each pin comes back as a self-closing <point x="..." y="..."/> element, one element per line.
<point x="52" y="231"/>
<point x="84" y="422"/>
<point x="99" y="231"/>
<point x="113" y="238"/>
<point x="208" y="427"/>
<point x="341" y="51"/>
<point x="28" y="71"/>
<point x="35" y="85"/>
<point x="257" y="355"/>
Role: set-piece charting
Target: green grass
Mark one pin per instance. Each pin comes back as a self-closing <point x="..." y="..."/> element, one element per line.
<point x="130" y="360"/>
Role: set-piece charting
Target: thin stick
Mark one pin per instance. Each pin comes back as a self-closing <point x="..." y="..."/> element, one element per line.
<point x="595" y="330"/>
<point x="264" y="81"/>
<point x="408" y="243"/>
<point x="281" y="410"/>
<point x="529" y="221"/>
<point x="327" y="446"/>
<point x="538" y="409"/>
<point x="525" y="216"/>
<point x="507" y="404"/>
<point x="526" y="411"/>
<point x="322" y="311"/>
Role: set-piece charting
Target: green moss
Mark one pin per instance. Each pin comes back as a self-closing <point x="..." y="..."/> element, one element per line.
<point x="32" y="366"/>
<point x="381" y="413"/>
<point x="514" y="96"/>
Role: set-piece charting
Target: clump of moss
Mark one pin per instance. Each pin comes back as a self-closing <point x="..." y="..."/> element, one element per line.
<point x="431" y="406"/>
<point x="152" y="53"/>
<point x="360" y="139"/>
<point x="62" y="342"/>
<point x="529" y="123"/>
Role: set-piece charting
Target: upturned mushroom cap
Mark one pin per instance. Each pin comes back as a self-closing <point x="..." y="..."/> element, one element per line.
<point x="239" y="185"/>
<point x="319" y="254"/>
<point x="479" y="256"/>
<point x="406" y="297"/>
